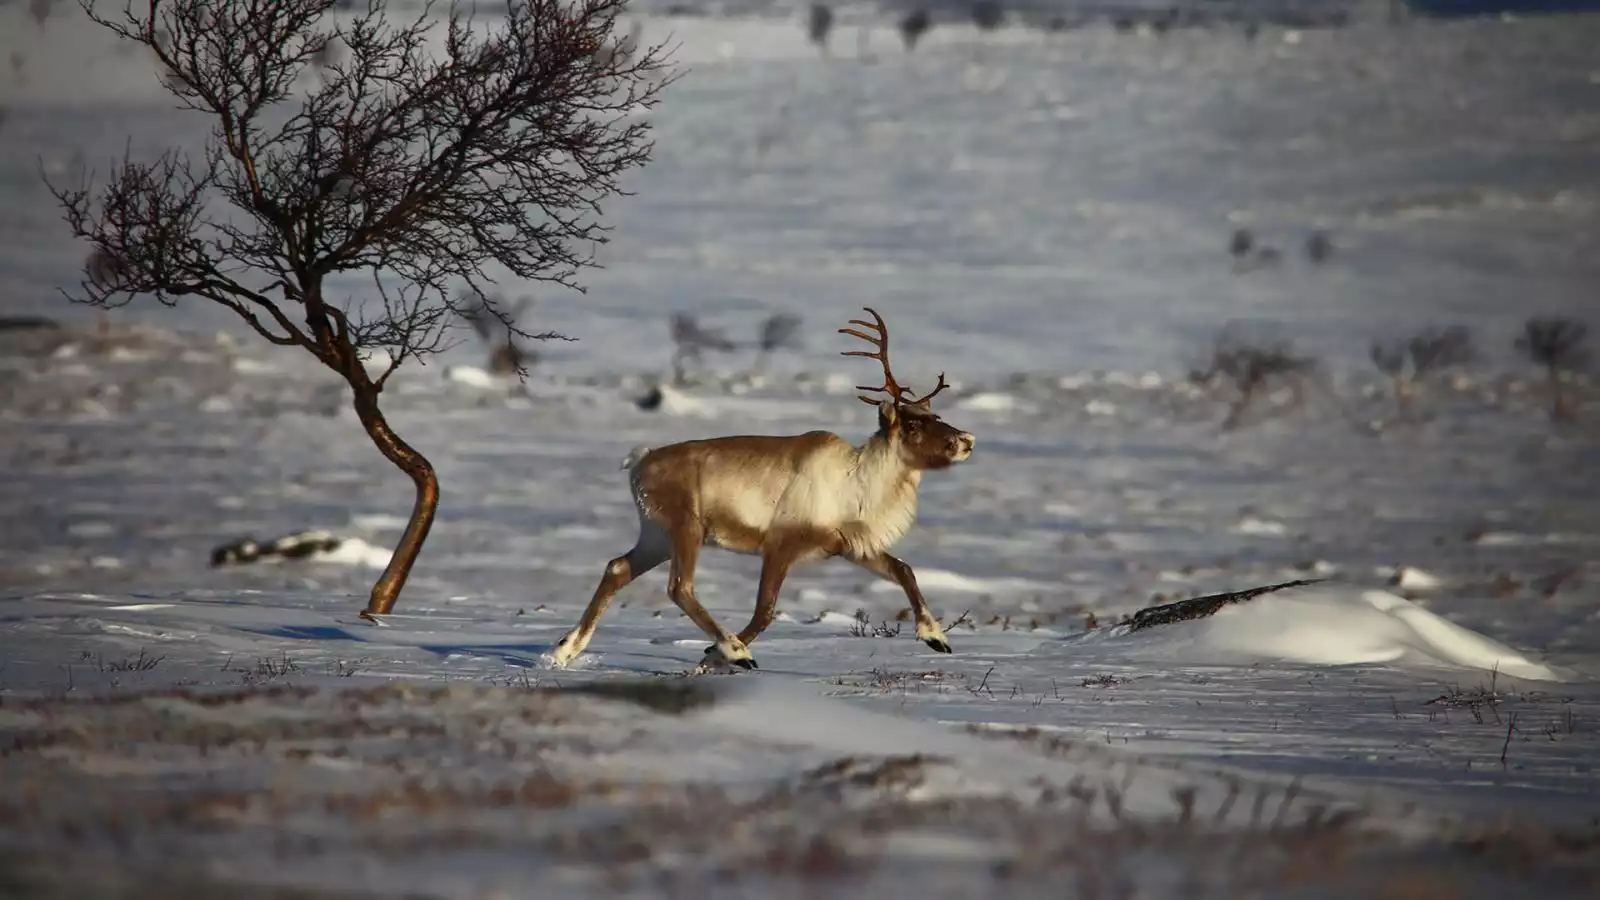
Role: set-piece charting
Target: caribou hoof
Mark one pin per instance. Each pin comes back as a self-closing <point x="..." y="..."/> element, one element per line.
<point x="939" y="644"/>
<point x="717" y="656"/>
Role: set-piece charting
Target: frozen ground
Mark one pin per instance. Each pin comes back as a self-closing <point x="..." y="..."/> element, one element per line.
<point x="1045" y="218"/>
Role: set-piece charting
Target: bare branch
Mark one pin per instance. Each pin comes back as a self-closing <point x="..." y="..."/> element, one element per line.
<point x="433" y="148"/>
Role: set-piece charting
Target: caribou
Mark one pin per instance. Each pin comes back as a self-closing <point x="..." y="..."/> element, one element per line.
<point x="790" y="500"/>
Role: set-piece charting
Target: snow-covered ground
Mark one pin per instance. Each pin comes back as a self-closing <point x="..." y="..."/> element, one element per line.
<point x="1046" y="218"/>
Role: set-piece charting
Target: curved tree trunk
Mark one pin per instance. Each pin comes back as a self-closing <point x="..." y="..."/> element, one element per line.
<point x="409" y="461"/>
<point x="1560" y="409"/>
<point x="1402" y="396"/>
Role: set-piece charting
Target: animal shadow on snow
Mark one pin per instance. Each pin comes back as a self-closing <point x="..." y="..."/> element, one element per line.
<point x="524" y="654"/>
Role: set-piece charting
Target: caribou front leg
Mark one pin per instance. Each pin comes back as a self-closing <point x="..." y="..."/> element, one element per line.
<point x="773" y="570"/>
<point x="929" y="631"/>
<point x="779" y="556"/>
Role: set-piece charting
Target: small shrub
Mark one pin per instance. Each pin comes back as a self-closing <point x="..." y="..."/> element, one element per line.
<point x="863" y="627"/>
<point x="140" y="663"/>
<point x="1249" y="254"/>
<point x="1319" y="246"/>
<point x="270" y="668"/>
<point x="266" y="669"/>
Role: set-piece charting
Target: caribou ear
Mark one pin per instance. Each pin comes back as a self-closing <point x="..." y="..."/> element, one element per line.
<point x="888" y="416"/>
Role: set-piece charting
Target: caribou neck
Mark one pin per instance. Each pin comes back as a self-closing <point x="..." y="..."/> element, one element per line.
<point x="885" y="494"/>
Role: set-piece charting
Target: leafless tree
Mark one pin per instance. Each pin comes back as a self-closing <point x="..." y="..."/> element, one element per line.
<point x="40" y="11"/>
<point x="819" y="24"/>
<point x="691" y="340"/>
<point x="913" y="26"/>
<point x="1251" y="358"/>
<point x="779" y="331"/>
<point x="508" y="355"/>
<point x="437" y="150"/>
<point x="1557" y="345"/>
<point x="1408" y="362"/>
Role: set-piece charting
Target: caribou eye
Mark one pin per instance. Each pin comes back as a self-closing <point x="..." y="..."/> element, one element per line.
<point x="914" y="427"/>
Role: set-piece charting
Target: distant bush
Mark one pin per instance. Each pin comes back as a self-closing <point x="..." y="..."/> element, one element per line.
<point x="988" y="15"/>
<point x="1249" y="254"/>
<point x="820" y="24"/>
<point x="1241" y="243"/>
<point x="1557" y="344"/>
<point x="40" y="10"/>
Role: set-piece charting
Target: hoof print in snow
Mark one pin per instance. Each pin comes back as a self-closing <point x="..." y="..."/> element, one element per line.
<point x="1201" y="607"/>
<point x="291" y="546"/>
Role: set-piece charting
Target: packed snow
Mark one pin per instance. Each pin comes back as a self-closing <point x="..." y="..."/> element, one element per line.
<point x="1043" y="216"/>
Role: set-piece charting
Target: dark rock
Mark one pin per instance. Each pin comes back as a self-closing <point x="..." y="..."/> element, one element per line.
<point x="299" y="545"/>
<point x="1201" y="607"/>
<point x="28" y="323"/>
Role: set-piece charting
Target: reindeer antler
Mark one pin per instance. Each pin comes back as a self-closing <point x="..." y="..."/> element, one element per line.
<point x="923" y="400"/>
<point x="881" y="341"/>
<point x="901" y="393"/>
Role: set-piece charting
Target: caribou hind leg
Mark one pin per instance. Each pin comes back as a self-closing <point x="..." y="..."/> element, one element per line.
<point x="649" y="551"/>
